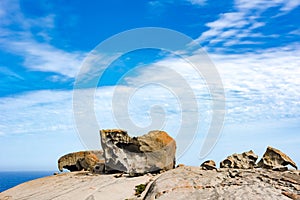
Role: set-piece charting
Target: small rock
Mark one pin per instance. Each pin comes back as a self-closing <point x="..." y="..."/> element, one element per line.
<point x="180" y="165"/>
<point x="99" y="168"/>
<point x="245" y="160"/>
<point x="55" y="173"/>
<point x="233" y="173"/>
<point x="275" y="158"/>
<point x="118" y="175"/>
<point x="208" y="165"/>
<point x="280" y="168"/>
<point x="291" y="195"/>
<point x="296" y="187"/>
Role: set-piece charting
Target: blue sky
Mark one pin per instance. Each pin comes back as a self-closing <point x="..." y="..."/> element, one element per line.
<point x="253" y="44"/>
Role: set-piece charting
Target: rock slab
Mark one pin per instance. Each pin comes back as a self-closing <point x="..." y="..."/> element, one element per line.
<point x="244" y="160"/>
<point x="275" y="159"/>
<point x="151" y="152"/>
<point x="76" y="186"/>
<point x="195" y="183"/>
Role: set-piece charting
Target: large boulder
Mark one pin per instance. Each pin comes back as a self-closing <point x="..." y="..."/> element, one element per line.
<point x="152" y="152"/>
<point x="275" y="159"/>
<point x="82" y="160"/>
<point x="244" y="160"/>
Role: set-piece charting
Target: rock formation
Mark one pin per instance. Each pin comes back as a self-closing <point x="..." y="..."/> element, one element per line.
<point x="245" y="160"/>
<point x="82" y="160"/>
<point x="181" y="183"/>
<point x="194" y="183"/>
<point x="152" y="152"/>
<point x="156" y="151"/>
<point x="208" y="165"/>
<point x="275" y="159"/>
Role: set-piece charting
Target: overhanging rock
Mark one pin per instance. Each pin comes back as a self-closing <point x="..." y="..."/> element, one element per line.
<point x="151" y="152"/>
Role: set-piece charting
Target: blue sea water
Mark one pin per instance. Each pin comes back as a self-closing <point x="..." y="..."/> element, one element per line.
<point x="11" y="179"/>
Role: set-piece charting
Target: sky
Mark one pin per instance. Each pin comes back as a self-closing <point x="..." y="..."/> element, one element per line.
<point x="44" y="46"/>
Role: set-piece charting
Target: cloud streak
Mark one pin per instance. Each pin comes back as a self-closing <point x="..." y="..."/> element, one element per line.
<point x="38" y="55"/>
<point x="241" y="26"/>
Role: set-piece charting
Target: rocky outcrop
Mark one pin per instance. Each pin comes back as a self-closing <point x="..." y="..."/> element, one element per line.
<point x="82" y="160"/>
<point x="194" y="183"/>
<point x="152" y="152"/>
<point x="276" y="160"/>
<point x="208" y="165"/>
<point x="181" y="183"/>
<point x="77" y="186"/>
<point x="245" y="160"/>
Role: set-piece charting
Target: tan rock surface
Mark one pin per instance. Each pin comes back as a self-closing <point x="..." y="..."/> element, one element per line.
<point x="76" y="186"/>
<point x="274" y="158"/>
<point x="80" y="160"/>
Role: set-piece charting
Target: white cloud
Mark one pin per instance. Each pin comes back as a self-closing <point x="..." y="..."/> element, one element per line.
<point x="40" y="56"/>
<point x="258" y="86"/>
<point x="47" y="58"/>
<point x="285" y="5"/>
<point x="290" y="5"/>
<point x="295" y="32"/>
<point x="197" y="2"/>
<point x="243" y="22"/>
<point x="38" y="112"/>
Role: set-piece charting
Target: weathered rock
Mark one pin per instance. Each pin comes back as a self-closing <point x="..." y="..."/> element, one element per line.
<point x="82" y="160"/>
<point x="275" y="159"/>
<point x="245" y="160"/>
<point x="76" y="186"/>
<point x="152" y="152"/>
<point x="208" y="165"/>
<point x="292" y="195"/>
<point x="194" y="183"/>
<point x="181" y="183"/>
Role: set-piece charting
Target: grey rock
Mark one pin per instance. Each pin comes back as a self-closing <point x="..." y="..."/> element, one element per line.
<point x="152" y="152"/>
<point x="275" y="159"/>
<point x="99" y="168"/>
<point x="245" y="160"/>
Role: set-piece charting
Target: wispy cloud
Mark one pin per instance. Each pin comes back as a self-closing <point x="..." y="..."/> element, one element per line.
<point x="197" y="2"/>
<point x="38" y="55"/>
<point x="47" y="58"/>
<point x="258" y="86"/>
<point x="232" y="28"/>
<point x="39" y="112"/>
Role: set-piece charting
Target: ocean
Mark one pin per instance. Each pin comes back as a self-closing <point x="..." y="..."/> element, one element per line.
<point x="11" y="179"/>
